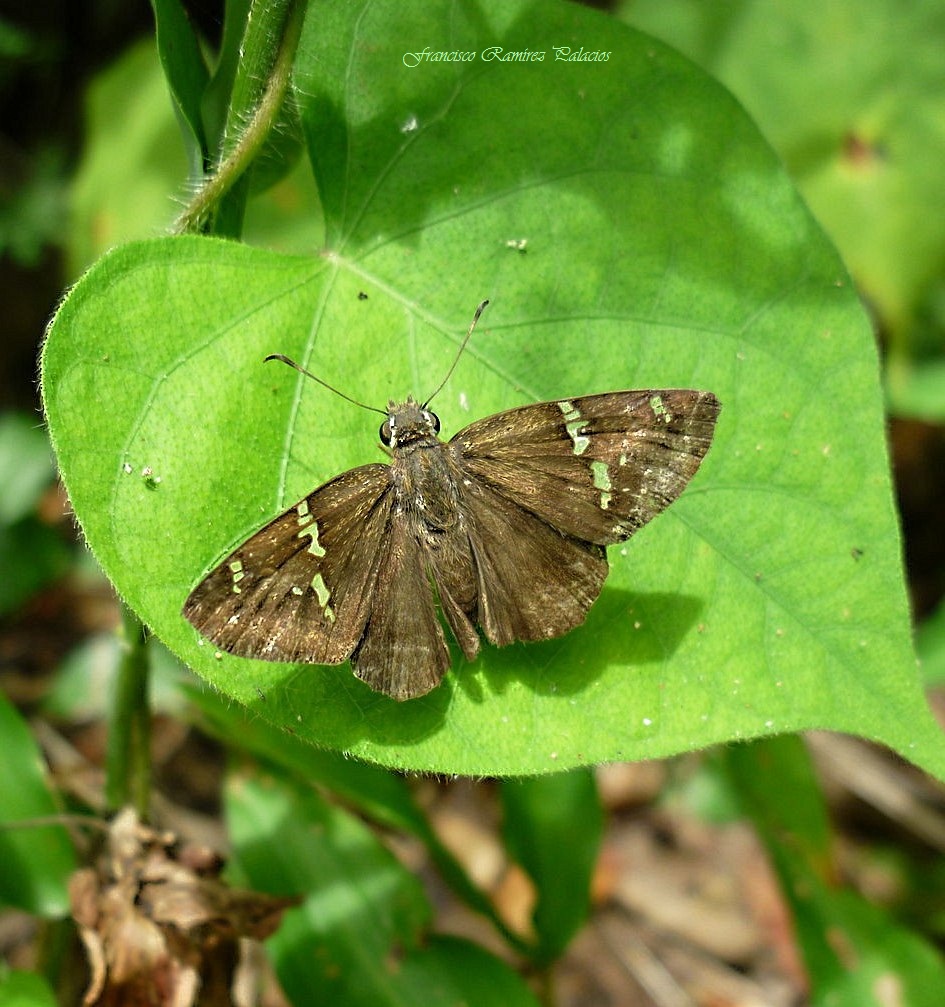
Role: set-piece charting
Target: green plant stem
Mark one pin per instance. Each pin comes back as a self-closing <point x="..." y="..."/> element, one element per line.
<point x="545" y="981"/>
<point x="128" y="769"/>
<point x="258" y="109"/>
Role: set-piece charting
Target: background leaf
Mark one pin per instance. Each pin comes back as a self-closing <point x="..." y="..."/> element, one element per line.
<point x="855" y="952"/>
<point x="552" y="827"/>
<point x="381" y="796"/>
<point x="132" y="166"/>
<point x="25" y="989"/>
<point x="35" y="862"/>
<point x="664" y="247"/>
<point x="930" y="645"/>
<point x="26" y="466"/>
<point x="31" y="552"/>
<point x="186" y="75"/>
<point x="852" y="98"/>
<point x="358" y="937"/>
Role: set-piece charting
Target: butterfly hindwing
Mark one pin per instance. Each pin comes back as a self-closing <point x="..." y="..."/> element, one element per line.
<point x="533" y="582"/>
<point x="403" y="651"/>
<point x="301" y="588"/>
<point x="598" y="467"/>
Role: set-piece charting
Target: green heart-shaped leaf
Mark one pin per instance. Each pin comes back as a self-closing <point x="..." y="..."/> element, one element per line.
<point x="633" y="230"/>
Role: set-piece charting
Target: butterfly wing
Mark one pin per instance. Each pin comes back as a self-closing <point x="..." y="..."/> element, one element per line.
<point x="546" y="486"/>
<point x="302" y="588"/>
<point x="533" y="582"/>
<point x="595" y="468"/>
<point x="403" y="651"/>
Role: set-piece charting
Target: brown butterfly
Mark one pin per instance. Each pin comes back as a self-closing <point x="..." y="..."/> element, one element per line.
<point x="504" y="526"/>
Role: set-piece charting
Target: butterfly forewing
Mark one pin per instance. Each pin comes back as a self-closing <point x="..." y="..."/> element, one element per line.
<point x="301" y="588"/>
<point x="598" y="467"/>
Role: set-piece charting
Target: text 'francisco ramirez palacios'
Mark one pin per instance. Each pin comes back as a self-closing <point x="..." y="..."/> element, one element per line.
<point x="558" y="54"/>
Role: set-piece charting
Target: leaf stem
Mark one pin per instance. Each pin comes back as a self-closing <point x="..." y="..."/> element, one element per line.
<point x="128" y="762"/>
<point x="238" y="155"/>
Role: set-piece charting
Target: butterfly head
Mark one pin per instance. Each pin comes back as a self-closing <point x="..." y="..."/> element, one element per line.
<point x="407" y="423"/>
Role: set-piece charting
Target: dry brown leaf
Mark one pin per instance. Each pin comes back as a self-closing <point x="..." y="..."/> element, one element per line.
<point x="159" y="926"/>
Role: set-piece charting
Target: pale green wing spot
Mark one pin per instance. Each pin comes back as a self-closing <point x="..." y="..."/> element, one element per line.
<point x="236" y="569"/>
<point x="315" y="547"/>
<point x="601" y="476"/>
<point x="567" y="407"/>
<point x="323" y="594"/>
<point x="574" y="426"/>
<point x="660" y="410"/>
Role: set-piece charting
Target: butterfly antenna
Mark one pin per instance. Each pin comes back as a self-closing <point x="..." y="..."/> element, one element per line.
<point x="324" y="384"/>
<point x="459" y="352"/>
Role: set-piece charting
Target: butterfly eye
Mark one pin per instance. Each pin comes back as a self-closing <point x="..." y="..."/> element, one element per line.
<point x="434" y="421"/>
<point x="384" y="432"/>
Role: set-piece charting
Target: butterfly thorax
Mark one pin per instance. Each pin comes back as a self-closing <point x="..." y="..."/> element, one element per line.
<point x="423" y="474"/>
